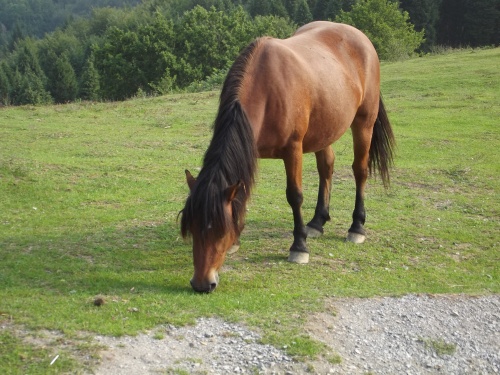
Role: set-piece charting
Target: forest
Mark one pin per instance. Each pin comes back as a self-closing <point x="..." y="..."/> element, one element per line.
<point x="59" y="51"/>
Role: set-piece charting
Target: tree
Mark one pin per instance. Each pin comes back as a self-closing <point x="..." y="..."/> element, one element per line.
<point x="130" y="60"/>
<point x="482" y="22"/>
<point x="387" y="27"/>
<point x="28" y="83"/>
<point x="5" y="84"/>
<point x="424" y="14"/>
<point x="26" y="57"/>
<point x="291" y="7"/>
<point x="209" y="40"/>
<point x="28" y="88"/>
<point x="259" y="7"/>
<point x="90" y="87"/>
<point x="276" y="27"/>
<point x="329" y="9"/>
<point x="302" y="14"/>
<point x="63" y="85"/>
<point x="469" y="23"/>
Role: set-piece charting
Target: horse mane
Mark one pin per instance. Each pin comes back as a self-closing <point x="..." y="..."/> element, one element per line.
<point x="231" y="158"/>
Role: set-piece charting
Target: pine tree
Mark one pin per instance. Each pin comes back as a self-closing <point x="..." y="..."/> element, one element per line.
<point x="64" y="85"/>
<point x="90" y="86"/>
<point x="424" y="14"/>
<point x="28" y="88"/>
<point x="291" y="7"/>
<point x="5" y="84"/>
<point x="302" y="13"/>
<point x="469" y="23"/>
<point x="259" y="8"/>
<point x="28" y="83"/>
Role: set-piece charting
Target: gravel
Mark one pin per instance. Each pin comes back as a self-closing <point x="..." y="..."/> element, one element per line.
<point x="415" y="334"/>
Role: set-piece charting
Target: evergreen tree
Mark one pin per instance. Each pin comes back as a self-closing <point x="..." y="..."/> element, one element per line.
<point x="259" y="8"/>
<point x="278" y="9"/>
<point x="28" y="88"/>
<point x="16" y="36"/>
<point x="28" y="84"/>
<point x="302" y="13"/>
<point x="63" y="85"/>
<point x="469" y="23"/>
<point x="424" y="14"/>
<point x="291" y="7"/>
<point x="5" y="84"/>
<point x="320" y="11"/>
<point x="482" y="23"/>
<point x="90" y="87"/>
<point x="27" y="58"/>
<point x="329" y="9"/>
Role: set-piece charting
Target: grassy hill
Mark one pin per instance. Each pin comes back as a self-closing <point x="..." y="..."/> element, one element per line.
<point x="91" y="193"/>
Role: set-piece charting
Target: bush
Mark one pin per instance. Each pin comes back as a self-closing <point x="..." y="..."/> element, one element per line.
<point x="387" y="26"/>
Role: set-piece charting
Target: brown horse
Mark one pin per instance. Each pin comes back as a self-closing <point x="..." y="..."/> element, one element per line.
<point x="280" y="99"/>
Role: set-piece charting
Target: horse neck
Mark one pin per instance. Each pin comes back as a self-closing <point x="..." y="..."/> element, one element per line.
<point x="231" y="156"/>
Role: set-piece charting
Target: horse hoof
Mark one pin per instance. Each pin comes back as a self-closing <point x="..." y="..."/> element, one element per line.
<point x="355" y="237"/>
<point x="233" y="249"/>
<point x="312" y="232"/>
<point x="299" y="257"/>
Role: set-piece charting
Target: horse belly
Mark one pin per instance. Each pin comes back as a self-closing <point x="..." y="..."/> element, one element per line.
<point x="331" y="116"/>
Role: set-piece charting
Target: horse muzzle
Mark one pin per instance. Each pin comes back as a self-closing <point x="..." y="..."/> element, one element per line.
<point x="207" y="284"/>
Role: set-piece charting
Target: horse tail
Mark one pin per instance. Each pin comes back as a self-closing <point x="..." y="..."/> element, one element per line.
<point x="382" y="145"/>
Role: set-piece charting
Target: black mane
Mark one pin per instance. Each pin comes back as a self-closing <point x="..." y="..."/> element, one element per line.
<point x="230" y="159"/>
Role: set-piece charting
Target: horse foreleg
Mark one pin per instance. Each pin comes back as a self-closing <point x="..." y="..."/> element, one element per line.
<point x="324" y="161"/>
<point x="293" y="166"/>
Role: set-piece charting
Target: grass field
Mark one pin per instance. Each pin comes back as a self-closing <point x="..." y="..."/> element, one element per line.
<point x="90" y="195"/>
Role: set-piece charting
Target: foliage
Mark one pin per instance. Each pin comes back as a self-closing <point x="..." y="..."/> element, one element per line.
<point x="469" y="23"/>
<point x="210" y="40"/>
<point x="28" y="81"/>
<point x="37" y="17"/>
<point x="387" y="27"/>
<point x="302" y="14"/>
<point x="424" y="14"/>
<point x="62" y="83"/>
<point x="156" y="47"/>
<point x="131" y="60"/>
<point x="5" y="84"/>
<point x="90" y="87"/>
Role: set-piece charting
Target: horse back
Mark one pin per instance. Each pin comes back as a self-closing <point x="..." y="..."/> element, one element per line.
<point x="308" y="88"/>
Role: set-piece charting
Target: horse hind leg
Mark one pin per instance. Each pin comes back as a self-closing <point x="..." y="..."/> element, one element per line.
<point x="324" y="161"/>
<point x="361" y="133"/>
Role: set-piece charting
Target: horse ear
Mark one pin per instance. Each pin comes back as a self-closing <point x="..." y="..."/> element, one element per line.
<point x="232" y="190"/>
<point x="190" y="179"/>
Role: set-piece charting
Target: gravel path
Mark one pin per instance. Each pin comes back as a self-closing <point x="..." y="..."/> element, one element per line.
<point x="408" y="335"/>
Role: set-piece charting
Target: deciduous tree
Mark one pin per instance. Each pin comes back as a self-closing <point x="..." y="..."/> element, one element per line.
<point x="387" y="26"/>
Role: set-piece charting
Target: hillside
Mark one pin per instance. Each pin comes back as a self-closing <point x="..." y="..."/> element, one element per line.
<point x="91" y="194"/>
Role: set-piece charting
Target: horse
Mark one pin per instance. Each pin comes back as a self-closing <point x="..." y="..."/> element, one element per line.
<point x="282" y="98"/>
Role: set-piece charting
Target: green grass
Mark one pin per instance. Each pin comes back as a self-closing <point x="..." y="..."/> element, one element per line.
<point x="440" y="347"/>
<point x="90" y="195"/>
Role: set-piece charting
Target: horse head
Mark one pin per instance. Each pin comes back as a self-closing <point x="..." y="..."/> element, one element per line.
<point x="214" y="230"/>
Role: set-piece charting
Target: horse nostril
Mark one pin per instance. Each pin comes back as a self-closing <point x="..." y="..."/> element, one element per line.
<point x="212" y="287"/>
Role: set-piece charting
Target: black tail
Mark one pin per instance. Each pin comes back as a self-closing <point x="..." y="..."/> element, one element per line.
<point x="382" y="145"/>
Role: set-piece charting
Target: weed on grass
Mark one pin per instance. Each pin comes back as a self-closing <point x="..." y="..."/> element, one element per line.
<point x="440" y="347"/>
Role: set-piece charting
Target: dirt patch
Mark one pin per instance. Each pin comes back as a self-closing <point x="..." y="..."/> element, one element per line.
<point x="410" y="335"/>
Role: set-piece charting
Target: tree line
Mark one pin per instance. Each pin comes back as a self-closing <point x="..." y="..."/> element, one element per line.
<point x="156" y="46"/>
